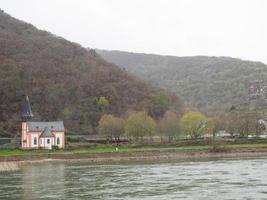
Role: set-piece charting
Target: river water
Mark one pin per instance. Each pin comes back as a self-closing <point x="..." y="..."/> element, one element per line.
<point x="212" y="179"/>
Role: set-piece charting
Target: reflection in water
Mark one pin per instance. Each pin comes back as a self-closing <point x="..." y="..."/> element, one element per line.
<point x="43" y="180"/>
<point x="224" y="179"/>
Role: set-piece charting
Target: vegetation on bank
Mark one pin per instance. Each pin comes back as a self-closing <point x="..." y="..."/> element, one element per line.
<point x="172" y="126"/>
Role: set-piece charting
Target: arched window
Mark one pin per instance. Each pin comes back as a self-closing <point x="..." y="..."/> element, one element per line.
<point x="58" y="140"/>
<point x="35" y="140"/>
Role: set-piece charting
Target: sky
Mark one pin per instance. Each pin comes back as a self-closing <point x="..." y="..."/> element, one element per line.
<point x="236" y="28"/>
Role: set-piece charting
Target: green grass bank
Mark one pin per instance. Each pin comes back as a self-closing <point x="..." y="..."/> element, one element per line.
<point x="112" y="150"/>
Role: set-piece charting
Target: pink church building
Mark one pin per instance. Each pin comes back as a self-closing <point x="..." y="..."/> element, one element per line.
<point x="40" y="134"/>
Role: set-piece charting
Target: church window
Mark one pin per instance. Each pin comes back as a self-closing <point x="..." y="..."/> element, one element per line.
<point x="35" y="141"/>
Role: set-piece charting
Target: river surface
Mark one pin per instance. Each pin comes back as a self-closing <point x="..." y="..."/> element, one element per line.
<point x="213" y="179"/>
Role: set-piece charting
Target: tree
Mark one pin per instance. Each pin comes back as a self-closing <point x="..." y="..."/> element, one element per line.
<point x="232" y="122"/>
<point x="244" y="122"/>
<point x="102" y="103"/>
<point x="260" y="127"/>
<point x="169" y="125"/>
<point x="139" y="124"/>
<point x="249" y="123"/>
<point x="159" y="102"/>
<point x="194" y="124"/>
<point x="214" y="124"/>
<point x="111" y="127"/>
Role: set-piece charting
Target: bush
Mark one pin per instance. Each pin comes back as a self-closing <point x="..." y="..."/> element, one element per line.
<point x="111" y="127"/>
<point x="55" y="147"/>
<point x="140" y="124"/>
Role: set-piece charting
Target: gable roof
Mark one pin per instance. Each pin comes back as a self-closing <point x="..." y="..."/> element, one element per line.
<point x="41" y="126"/>
<point x="47" y="133"/>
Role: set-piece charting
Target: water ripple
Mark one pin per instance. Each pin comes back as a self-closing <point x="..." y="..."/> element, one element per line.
<point x="220" y="179"/>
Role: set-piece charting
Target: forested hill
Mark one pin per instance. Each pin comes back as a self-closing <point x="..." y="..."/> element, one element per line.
<point x="209" y="83"/>
<point x="64" y="81"/>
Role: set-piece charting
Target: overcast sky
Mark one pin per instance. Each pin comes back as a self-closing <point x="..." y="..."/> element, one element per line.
<point x="236" y="28"/>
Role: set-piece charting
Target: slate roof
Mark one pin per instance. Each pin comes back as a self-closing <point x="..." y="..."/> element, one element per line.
<point x="40" y="126"/>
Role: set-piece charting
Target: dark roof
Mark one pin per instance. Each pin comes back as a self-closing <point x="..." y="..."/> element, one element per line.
<point x="26" y="110"/>
<point x="54" y="126"/>
<point x="47" y="132"/>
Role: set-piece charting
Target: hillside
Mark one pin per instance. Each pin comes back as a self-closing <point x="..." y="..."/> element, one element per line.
<point x="209" y="83"/>
<point x="63" y="81"/>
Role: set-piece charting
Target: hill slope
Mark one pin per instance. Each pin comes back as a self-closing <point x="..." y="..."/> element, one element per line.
<point x="209" y="83"/>
<point x="62" y="79"/>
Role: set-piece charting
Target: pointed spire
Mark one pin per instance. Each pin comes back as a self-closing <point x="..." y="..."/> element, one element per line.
<point x="26" y="110"/>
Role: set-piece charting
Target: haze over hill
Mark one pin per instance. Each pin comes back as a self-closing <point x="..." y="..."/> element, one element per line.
<point x="209" y="83"/>
<point x="63" y="80"/>
<point x="173" y="27"/>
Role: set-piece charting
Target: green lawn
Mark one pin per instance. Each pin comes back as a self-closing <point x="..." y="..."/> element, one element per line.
<point x="124" y="150"/>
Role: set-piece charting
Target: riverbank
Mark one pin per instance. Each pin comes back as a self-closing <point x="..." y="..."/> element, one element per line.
<point x="116" y="154"/>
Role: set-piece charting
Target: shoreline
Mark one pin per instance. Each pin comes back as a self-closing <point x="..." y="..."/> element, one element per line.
<point x="134" y="156"/>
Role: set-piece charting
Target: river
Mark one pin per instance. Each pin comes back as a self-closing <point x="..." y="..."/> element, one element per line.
<point x="220" y="179"/>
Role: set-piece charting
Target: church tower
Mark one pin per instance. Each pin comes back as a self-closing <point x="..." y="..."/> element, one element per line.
<point x="26" y="116"/>
<point x="26" y="110"/>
